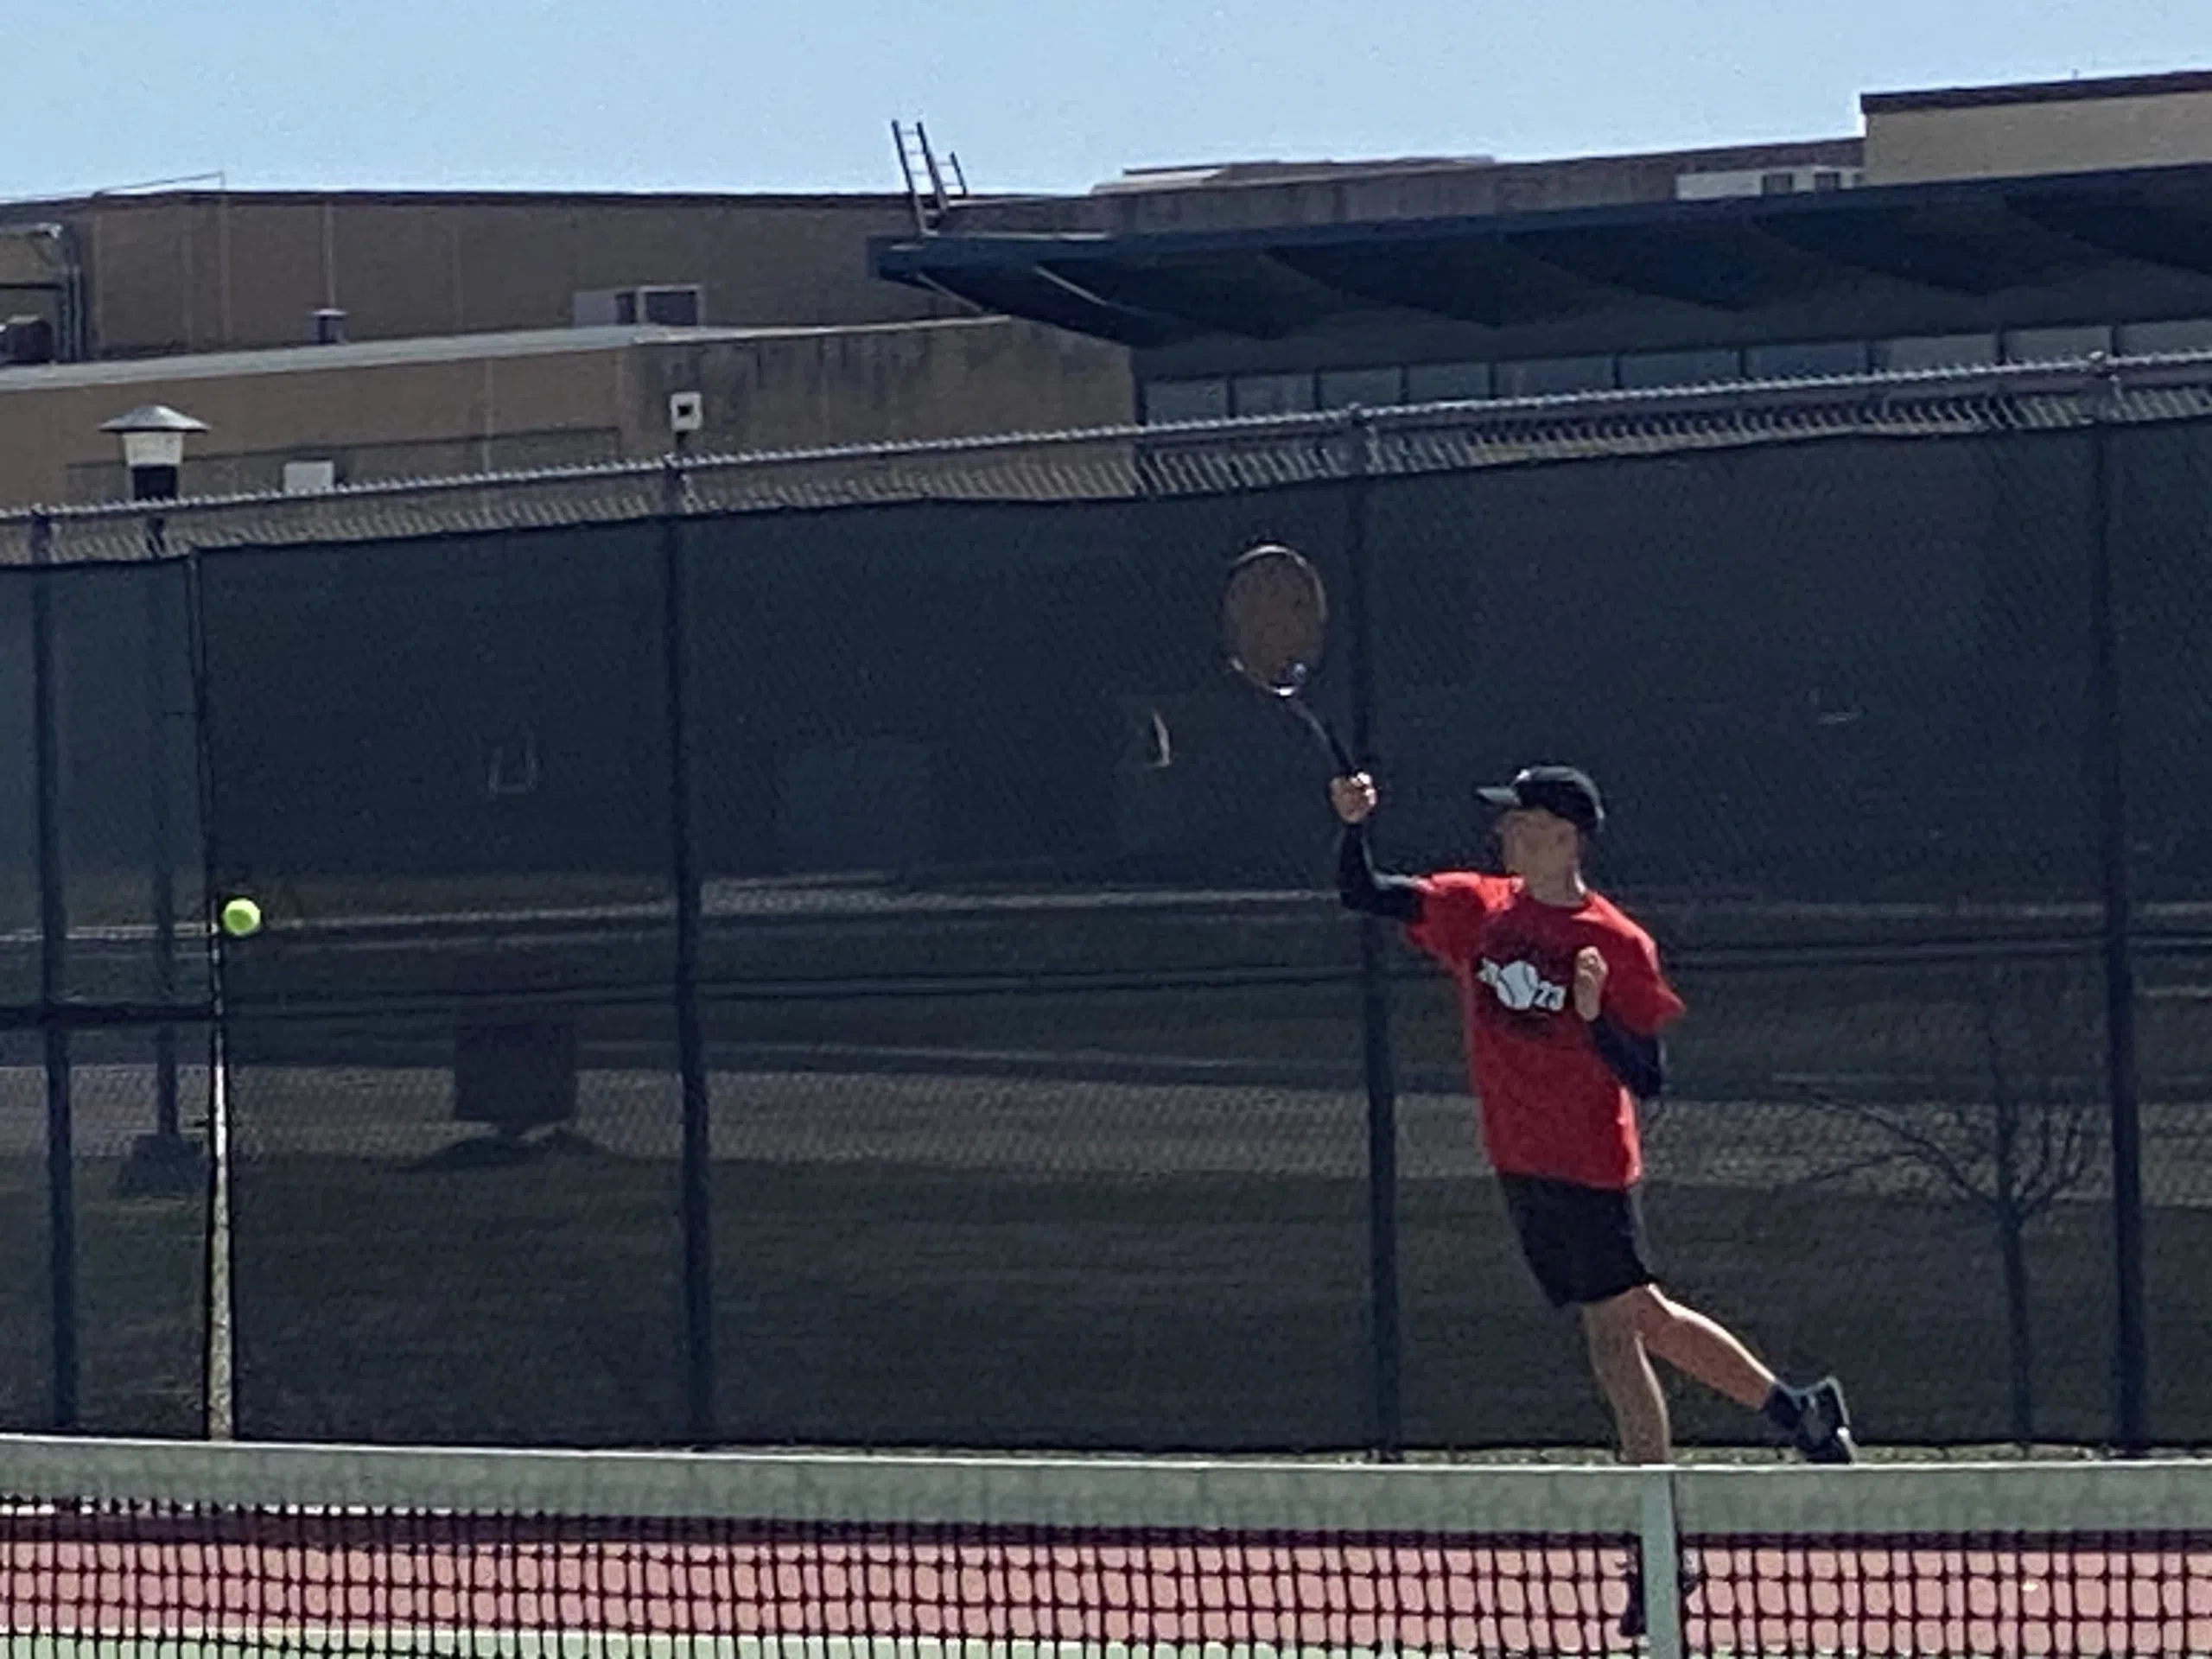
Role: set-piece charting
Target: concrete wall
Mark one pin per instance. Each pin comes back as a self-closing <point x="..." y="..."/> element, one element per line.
<point x="584" y="402"/>
<point x="202" y="271"/>
<point x="1404" y="190"/>
<point x="860" y="385"/>
<point x="1908" y="143"/>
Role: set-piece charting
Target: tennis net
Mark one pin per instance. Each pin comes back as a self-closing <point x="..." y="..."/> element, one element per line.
<point x="131" y="1549"/>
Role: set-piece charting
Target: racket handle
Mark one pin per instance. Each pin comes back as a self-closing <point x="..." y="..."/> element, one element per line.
<point x="1319" y="727"/>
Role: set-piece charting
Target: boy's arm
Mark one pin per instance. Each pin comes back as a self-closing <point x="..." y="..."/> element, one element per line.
<point x="1639" y="1062"/>
<point x="1361" y="887"/>
<point x="1638" y="1059"/>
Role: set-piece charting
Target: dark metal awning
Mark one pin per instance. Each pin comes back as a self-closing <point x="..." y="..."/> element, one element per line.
<point x="1970" y="239"/>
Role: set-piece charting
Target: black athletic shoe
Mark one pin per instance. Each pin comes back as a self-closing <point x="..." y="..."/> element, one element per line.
<point x="1823" y="1431"/>
<point x="1691" y="1578"/>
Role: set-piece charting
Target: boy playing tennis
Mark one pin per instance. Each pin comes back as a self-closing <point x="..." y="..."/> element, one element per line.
<point x="1564" y="1001"/>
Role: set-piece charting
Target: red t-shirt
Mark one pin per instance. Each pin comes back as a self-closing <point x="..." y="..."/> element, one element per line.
<point x="1550" y="1105"/>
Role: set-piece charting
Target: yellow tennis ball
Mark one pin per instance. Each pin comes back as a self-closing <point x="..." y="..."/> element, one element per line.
<point x="241" y="919"/>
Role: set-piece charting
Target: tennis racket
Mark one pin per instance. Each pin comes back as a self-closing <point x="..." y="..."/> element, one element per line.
<point x="1274" y="617"/>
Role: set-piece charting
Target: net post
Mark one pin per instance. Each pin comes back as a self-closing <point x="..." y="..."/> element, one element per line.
<point x="2130" y="1363"/>
<point x="1377" y="1061"/>
<point x="1660" y="1558"/>
<point x="697" y="1190"/>
<point x="53" y="985"/>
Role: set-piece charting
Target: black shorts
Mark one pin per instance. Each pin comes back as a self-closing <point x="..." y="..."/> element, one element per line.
<point x="1584" y="1243"/>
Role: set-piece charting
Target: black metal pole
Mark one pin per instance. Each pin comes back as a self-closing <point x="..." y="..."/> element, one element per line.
<point x="53" y="986"/>
<point x="218" y="1329"/>
<point x="2130" y="1363"/>
<point x="697" y="1201"/>
<point x="1374" y="997"/>
<point x="161" y="851"/>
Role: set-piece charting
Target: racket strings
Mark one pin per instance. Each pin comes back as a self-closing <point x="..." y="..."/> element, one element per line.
<point x="1275" y="616"/>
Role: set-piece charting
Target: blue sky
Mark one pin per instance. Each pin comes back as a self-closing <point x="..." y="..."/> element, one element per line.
<point x="1033" y="94"/>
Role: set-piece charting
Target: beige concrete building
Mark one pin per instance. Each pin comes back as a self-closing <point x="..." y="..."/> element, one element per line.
<point x="1273" y="195"/>
<point x="352" y="338"/>
<point x="2028" y="223"/>
<point x="180" y="271"/>
<point x="362" y="336"/>
<point x="309" y="417"/>
<point x="2007" y="132"/>
<point x="2050" y="127"/>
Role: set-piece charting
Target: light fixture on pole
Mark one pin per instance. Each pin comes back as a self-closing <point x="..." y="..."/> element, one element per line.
<point x="153" y="448"/>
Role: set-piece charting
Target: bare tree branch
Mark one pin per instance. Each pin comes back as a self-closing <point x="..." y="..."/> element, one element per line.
<point x="1923" y="1148"/>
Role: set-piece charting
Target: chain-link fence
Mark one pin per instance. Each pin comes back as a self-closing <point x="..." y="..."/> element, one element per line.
<point x="105" y="1081"/>
<point x="818" y="949"/>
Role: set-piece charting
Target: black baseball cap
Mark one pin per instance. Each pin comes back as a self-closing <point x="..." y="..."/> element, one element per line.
<point x="1563" y="792"/>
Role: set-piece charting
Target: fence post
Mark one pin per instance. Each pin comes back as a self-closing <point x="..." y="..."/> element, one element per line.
<point x="162" y="1161"/>
<point x="53" y="986"/>
<point x="697" y="1201"/>
<point x="162" y="852"/>
<point x="2131" y="1363"/>
<point x="157" y="770"/>
<point x="1388" y="1436"/>
<point x="219" y="1312"/>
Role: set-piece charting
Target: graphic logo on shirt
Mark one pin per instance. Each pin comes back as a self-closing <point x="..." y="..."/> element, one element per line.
<point x="1522" y="987"/>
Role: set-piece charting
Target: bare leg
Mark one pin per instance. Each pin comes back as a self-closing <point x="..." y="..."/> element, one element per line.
<point x="1698" y="1347"/>
<point x="1624" y="1375"/>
